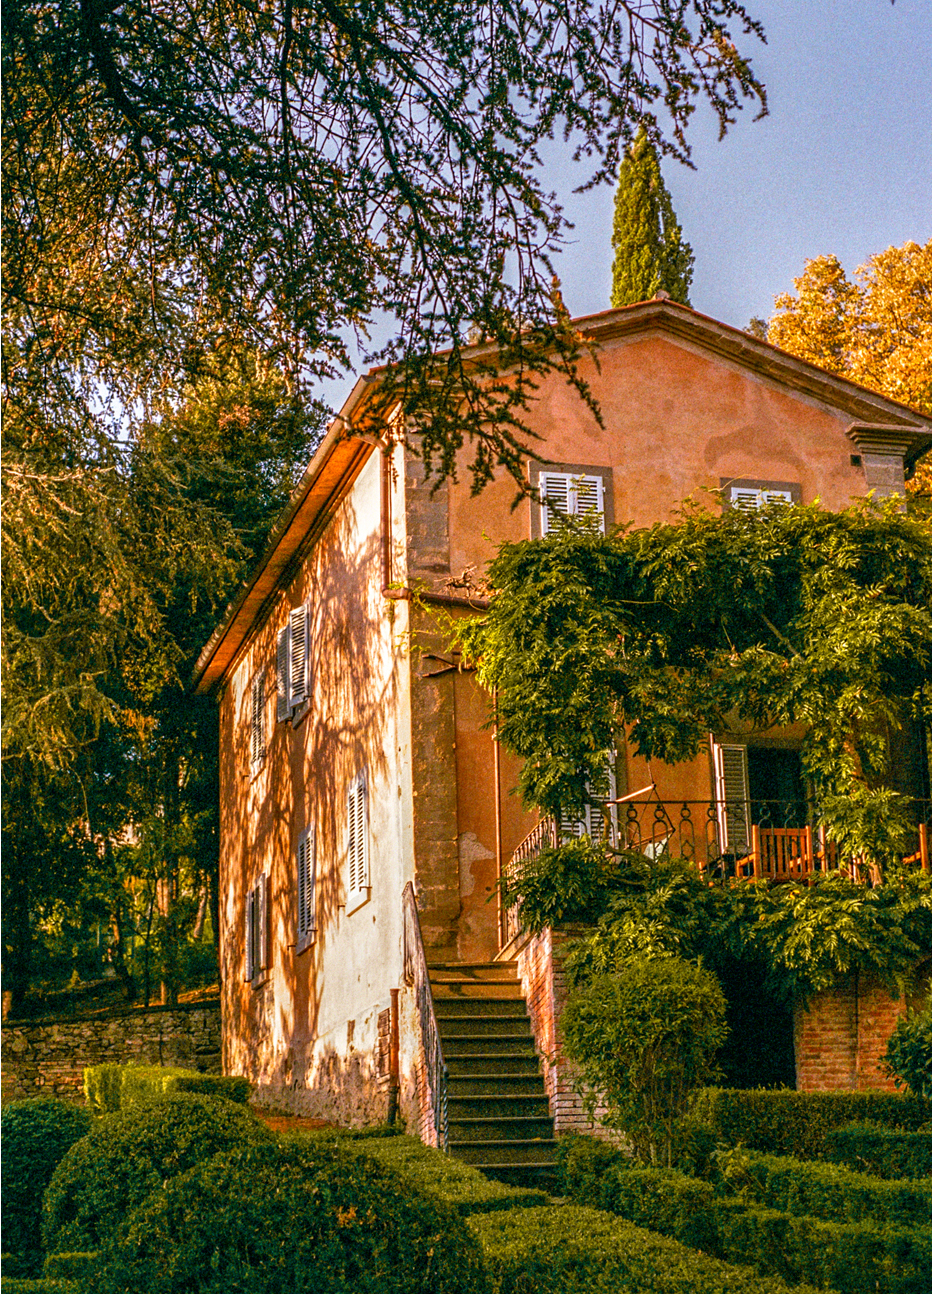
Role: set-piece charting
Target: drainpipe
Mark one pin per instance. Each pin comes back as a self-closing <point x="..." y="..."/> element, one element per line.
<point x="497" y="778"/>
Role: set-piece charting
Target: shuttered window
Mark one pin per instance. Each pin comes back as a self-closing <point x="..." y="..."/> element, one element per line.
<point x="730" y="763"/>
<point x="298" y="657"/>
<point x="283" y="673"/>
<point x="257" y="720"/>
<point x="593" y="822"/>
<point x="257" y="929"/>
<point x="307" y="899"/>
<point x="571" y="495"/>
<point x="750" y="498"/>
<point x="357" y="836"/>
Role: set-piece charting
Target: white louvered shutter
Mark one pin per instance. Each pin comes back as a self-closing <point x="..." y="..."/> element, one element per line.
<point x="283" y="673"/>
<point x="263" y="926"/>
<point x="731" y="794"/>
<point x="775" y="497"/>
<point x="358" y="844"/>
<point x="593" y="819"/>
<point x="307" y="916"/>
<point x="588" y="500"/>
<point x="257" y="720"/>
<point x="555" y="488"/>
<point x="298" y="665"/>
<point x="746" y="498"/>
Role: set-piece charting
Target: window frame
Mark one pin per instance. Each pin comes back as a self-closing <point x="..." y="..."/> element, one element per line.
<point x="729" y="486"/>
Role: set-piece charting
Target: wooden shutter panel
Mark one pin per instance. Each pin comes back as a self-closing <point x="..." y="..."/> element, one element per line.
<point x="256" y="719"/>
<point x="298" y="625"/>
<point x="746" y="498"/>
<point x="307" y="915"/>
<point x="283" y="673"/>
<point x="250" y="934"/>
<point x="263" y="942"/>
<point x="555" y="488"/>
<point x="358" y="845"/>
<point x="588" y="500"/>
<point x="775" y="497"/>
<point x="731" y="793"/>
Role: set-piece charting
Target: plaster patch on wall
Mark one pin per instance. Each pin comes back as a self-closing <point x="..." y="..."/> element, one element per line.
<point x="471" y="850"/>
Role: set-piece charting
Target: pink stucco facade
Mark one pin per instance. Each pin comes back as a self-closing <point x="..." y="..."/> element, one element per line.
<point x="686" y="403"/>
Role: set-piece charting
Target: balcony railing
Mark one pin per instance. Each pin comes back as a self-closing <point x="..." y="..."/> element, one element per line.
<point x="726" y="842"/>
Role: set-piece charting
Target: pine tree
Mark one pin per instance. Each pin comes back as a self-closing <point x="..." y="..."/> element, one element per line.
<point x="650" y="253"/>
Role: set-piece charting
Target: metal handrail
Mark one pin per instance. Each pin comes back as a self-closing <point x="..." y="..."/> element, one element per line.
<point x="417" y="976"/>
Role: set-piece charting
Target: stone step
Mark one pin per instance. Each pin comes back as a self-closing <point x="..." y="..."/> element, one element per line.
<point x="447" y="1008"/>
<point x="524" y="1106"/>
<point x="484" y="1065"/>
<point x="492" y="1045"/>
<point x="482" y="1027"/>
<point x="471" y="971"/>
<point x="472" y="991"/>
<point x="505" y="1154"/>
<point x="543" y="1177"/>
<point x="526" y="1083"/>
<point x="520" y="1129"/>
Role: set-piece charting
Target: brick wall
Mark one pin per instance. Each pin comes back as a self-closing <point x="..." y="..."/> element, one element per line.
<point x="842" y="1035"/>
<point x="47" y="1058"/>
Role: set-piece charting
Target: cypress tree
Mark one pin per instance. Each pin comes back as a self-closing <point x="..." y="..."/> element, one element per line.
<point x="650" y="252"/>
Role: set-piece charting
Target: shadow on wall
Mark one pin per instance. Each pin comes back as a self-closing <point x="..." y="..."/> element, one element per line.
<point x="347" y="729"/>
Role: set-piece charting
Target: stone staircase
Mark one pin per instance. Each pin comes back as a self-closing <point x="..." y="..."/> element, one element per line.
<point x="499" y="1115"/>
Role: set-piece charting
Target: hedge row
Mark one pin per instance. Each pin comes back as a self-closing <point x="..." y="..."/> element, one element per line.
<point x="840" y="1255"/>
<point x="110" y="1087"/>
<point x="783" y="1122"/>
<point x="888" y="1153"/>
<point x="837" y="1194"/>
<point x="452" y="1181"/>
<point x="571" y="1248"/>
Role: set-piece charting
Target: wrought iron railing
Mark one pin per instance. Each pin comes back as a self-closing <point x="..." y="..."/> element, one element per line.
<point x="727" y="841"/>
<point x="417" y="976"/>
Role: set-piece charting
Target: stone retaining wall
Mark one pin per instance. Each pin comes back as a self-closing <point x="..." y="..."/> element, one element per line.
<point x="47" y="1058"/>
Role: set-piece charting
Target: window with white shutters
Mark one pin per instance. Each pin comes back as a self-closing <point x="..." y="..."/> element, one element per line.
<point x="570" y="494"/>
<point x="257" y="720"/>
<point x="283" y="673"/>
<point x="599" y="813"/>
<point x="307" y="899"/>
<point x="357" y="840"/>
<point x="298" y="626"/>
<point x="257" y="929"/>
<point x="730" y="764"/>
<point x="748" y="496"/>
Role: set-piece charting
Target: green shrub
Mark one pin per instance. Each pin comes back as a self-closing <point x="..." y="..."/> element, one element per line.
<point x="888" y="1153"/>
<point x="592" y="1173"/>
<point x="126" y="1157"/>
<point x="909" y="1052"/>
<point x="782" y="1122"/>
<point x="36" y="1135"/>
<point x="82" y="1266"/>
<point x="571" y="1248"/>
<point x="644" y="1038"/>
<point x="294" y="1215"/>
<point x="832" y="1256"/>
<point x="110" y="1088"/>
<point x="451" y="1181"/>
<point x="829" y="1191"/>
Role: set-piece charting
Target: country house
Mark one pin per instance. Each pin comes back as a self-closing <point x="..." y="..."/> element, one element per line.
<point x="366" y="813"/>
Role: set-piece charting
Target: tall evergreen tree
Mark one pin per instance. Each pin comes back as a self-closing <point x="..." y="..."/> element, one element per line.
<point x="650" y="252"/>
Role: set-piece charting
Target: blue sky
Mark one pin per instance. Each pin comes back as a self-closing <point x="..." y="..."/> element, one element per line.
<point x="843" y="163"/>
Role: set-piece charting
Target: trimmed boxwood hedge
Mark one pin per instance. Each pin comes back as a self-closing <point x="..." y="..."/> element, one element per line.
<point x="296" y="1215"/>
<point x="37" y="1133"/>
<point x="783" y="1122"/>
<point x="572" y="1248"/>
<point x="888" y="1153"/>
<point x="110" y="1087"/>
<point x="840" y="1195"/>
<point x="126" y="1157"/>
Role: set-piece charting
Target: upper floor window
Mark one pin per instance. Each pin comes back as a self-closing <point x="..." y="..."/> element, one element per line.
<point x="357" y="843"/>
<point x="258" y="959"/>
<point x="292" y="663"/>
<point x="305" y="861"/>
<point x="749" y="495"/>
<point x="570" y="490"/>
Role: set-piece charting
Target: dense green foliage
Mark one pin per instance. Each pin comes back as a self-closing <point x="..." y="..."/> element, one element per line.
<point x="451" y="1181"/>
<point x="110" y="1087"/>
<point x="36" y="1134"/>
<point x="571" y="1248"/>
<point x="644" y="1039"/>
<point x="909" y="1052"/>
<point x="127" y="1157"/>
<point x="650" y="252"/>
<point x="776" y="616"/>
<point x="836" y="1230"/>
<point x="787" y="1123"/>
<point x="888" y="1153"/>
<point x="300" y="1214"/>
